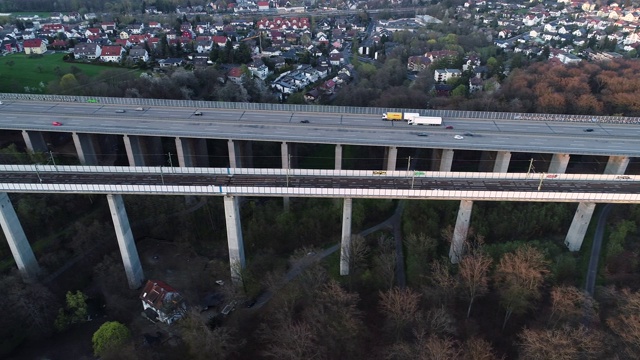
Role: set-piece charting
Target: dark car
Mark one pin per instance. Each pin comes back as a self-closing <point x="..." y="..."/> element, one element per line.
<point x="198" y="113"/>
<point x="468" y="134"/>
<point x="304" y="121"/>
<point x="422" y="134"/>
<point x="588" y="130"/>
<point x="449" y="127"/>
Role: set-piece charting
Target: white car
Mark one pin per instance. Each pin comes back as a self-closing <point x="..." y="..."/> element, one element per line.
<point x="458" y="137"/>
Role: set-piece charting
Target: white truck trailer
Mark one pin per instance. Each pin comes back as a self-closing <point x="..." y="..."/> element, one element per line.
<point x="425" y="120"/>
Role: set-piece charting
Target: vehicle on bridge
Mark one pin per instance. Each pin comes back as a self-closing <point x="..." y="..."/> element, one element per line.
<point x="397" y="116"/>
<point x="425" y="120"/>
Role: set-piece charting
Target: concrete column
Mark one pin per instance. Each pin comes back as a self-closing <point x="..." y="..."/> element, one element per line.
<point x="233" y="159"/>
<point x="502" y="162"/>
<point x="34" y="140"/>
<point x="559" y="163"/>
<point x="284" y="155"/>
<point x="234" y="238"/>
<point x="487" y="161"/>
<point x="338" y="161"/>
<point x="391" y="158"/>
<point x="617" y="165"/>
<point x="579" y="225"/>
<point x="134" y="150"/>
<point x="461" y="231"/>
<point x="18" y="243"/>
<point x="446" y="160"/>
<point x="86" y="148"/>
<point x="191" y="152"/>
<point x="128" y="251"/>
<point x="345" y="248"/>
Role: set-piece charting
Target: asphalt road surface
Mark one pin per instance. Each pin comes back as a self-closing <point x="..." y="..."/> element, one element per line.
<point x="323" y="128"/>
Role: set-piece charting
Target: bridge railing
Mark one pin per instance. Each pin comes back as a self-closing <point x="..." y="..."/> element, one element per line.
<point x="538" y="177"/>
<point x="488" y="115"/>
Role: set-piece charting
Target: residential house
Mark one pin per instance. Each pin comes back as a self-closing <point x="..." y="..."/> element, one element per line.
<point x="112" y="53"/>
<point x="170" y="62"/>
<point x="258" y="69"/>
<point x="442" y="75"/>
<point x="418" y="63"/>
<point x="263" y="5"/>
<point x="162" y="303"/>
<point x="312" y="95"/>
<point x="34" y="46"/>
<point x="88" y="51"/>
<point x="336" y="58"/>
<point x="235" y="75"/>
<point x="138" y="53"/>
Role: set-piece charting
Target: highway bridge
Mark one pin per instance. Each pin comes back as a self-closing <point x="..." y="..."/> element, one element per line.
<point x="140" y="128"/>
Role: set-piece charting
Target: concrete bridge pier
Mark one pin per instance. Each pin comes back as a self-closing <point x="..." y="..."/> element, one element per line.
<point x="345" y="247"/>
<point x="234" y="160"/>
<point x="338" y="160"/>
<point x="144" y="150"/>
<point x="34" y="140"/>
<point x="390" y="158"/>
<point x="234" y="238"/>
<point x="86" y="148"/>
<point x="442" y="160"/>
<point x="461" y="231"/>
<point x="617" y="165"/>
<point x="559" y="163"/>
<point x="501" y="165"/>
<point x="579" y="225"/>
<point x="126" y="243"/>
<point x="192" y="152"/>
<point x="18" y="243"/>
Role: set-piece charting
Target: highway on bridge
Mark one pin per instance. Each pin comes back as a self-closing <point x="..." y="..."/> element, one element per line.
<point x="323" y="128"/>
<point x="322" y="182"/>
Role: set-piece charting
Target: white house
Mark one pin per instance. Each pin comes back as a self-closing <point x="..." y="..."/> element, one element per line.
<point x="162" y="303"/>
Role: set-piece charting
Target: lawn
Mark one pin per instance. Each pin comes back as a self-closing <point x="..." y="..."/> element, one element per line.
<point x="18" y="71"/>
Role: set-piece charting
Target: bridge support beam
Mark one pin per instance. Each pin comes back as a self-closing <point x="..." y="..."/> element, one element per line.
<point x="617" y="165"/>
<point x="34" y="140"/>
<point x="18" y="243"/>
<point x="579" y="225"/>
<point x="487" y="161"/>
<point x="501" y="164"/>
<point x="338" y="160"/>
<point x="86" y="148"/>
<point x="390" y="158"/>
<point x="559" y="163"/>
<point x="446" y="160"/>
<point x="126" y="243"/>
<point x="134" y="151"/>
<point x="234" y="238"/>
<point x="461" y="231"/>
<point x="345" y="247"/>
<point x="192" y="152"/>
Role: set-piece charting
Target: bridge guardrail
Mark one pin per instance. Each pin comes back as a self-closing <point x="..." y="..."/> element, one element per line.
<point x="322" y="108"/>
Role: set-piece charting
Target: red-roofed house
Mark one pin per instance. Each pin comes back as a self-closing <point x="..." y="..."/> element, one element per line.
<point x="220" y="40"/>
<point x="34" y="46"/>
<point x="111" y="53"/>
<point x="235" y="75"/>
<point x="263" y="5"/>
<point x="161" y="302"/>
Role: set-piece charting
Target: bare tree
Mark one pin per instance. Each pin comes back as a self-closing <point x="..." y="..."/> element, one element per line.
<point x="400" y="307"/>
<point x="478" y="349"/>
<point x="443" y="282"/>
<point x="626" y="321"/>
<point x="519" y="277"/>
<point x="474" y="275"/>
<point x="292" y="341"/>
<point x="202" y="341"/>
<point x="565" y="343"/>
<point x="572" y="305"/>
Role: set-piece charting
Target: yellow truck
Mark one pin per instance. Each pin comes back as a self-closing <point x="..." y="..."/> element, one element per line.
<point x="397" y="116"/>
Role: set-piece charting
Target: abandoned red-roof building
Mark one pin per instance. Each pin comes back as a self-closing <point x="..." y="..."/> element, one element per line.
<point x="161" y="302"/>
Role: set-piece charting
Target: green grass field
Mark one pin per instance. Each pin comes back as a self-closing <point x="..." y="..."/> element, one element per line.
<point x="18" y="71"/>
